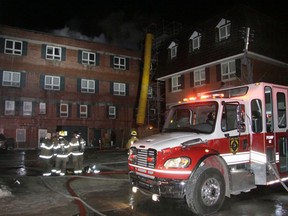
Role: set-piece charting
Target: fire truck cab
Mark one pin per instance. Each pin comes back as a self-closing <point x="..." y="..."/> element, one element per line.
<point x="220" y="144"/>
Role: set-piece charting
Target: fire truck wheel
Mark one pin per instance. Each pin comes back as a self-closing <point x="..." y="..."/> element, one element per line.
<point x="205" y="191"/>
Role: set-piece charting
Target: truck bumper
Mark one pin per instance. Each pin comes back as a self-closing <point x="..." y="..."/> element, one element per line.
<point x="162" y="187"/>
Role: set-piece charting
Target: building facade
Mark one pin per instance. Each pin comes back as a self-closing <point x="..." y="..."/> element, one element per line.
<point x="235" y="47"/>
<point x="50" y="83"/>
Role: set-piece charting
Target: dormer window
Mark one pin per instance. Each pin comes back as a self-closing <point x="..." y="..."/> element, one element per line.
<point x="224" y="27"/>
<point x="194" y="41"/>
<point x="173" y="49"/>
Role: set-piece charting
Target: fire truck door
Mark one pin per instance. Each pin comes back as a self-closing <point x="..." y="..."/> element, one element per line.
<point x="280" y="126"/>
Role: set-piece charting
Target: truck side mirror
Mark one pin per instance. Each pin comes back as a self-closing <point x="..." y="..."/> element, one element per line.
<point x="241" y="127"/>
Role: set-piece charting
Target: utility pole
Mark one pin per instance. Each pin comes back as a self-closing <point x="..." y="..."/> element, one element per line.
<point x="247" y="75"/>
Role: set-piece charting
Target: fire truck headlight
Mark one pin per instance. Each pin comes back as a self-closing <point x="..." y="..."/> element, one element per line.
<point x="180" y="162"/>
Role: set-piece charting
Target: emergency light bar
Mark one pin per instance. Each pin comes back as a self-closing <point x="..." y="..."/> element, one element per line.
<point x="202" y="97"/>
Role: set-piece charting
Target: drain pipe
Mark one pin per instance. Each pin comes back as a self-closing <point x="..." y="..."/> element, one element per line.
<point x="145" y="80"/>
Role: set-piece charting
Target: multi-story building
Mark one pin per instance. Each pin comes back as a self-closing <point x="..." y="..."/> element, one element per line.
<point x="235" y="47"/>
<point x="50" y="83"/>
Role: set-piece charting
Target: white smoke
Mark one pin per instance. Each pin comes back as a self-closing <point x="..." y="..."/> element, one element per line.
<point x="67" y="32"/>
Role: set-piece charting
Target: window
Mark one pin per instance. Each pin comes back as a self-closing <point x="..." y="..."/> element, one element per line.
<point x="27" y="108"/>
<point x="119" y="62"/>
<point x="269" y="109"/>
<point x="64" y="110"/>
<point x="52" y="83"/>
<point x="195" y="40"/>
<point x="87" y="86"/>
<point x="83" y="111"/>
<point x="281" y="110"/>
<point x="228" y="70"/>
<point x="12" y="79"/>
<point x="88" y="58"/>
<point x="112" y="112"/>
<point x="229" y="117"/>
<point x="42" y="108"/>
<point x="9" y="107"/>
<point x="199" y="77"/>
<point x="53" y="53"/>
<point x="224" y="27"/>
<point x="256" y="115"/>
<point x="173" y="50"/>
<point x="119" y="89"/>
<point x="176" y="83"/>
<point x="20" y="135"/>
<point x="13" y="47"/>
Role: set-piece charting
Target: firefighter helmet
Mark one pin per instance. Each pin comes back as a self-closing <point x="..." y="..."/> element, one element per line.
<point x="133" y="133"/>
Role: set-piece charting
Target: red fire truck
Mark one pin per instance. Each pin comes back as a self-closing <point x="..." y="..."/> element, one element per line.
<point x="219" y="144"/>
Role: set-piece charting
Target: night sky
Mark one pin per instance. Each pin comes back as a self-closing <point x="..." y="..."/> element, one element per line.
<point x="118" y="21"/>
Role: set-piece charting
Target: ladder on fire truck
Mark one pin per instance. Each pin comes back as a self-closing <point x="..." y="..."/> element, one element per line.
<point x="276" y="174"/>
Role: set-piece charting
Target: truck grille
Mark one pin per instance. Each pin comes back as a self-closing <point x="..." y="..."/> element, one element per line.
<point x="146" y="158"/>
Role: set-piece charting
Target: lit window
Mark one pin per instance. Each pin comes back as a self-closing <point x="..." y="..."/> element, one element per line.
<point x="13" y="47"/>
<point x="195" y="40"/>
<point x="53" y="53"/>
<point x="199" y="77"/>
<point x="176" y="83"/>
<point x="224" y="27"/>
<point x="9" y="107"/>
<point x="228" y="70"/>
<point x="173" y="50"/>
<point x="112" y="112"/>
<point x="63" y="110"/>
<point x="83" y="109"/>
<point x="119" y="89"/>
<point x="119" y="63"/>
<point x="27" y="108"/>
<point x="11" y="79"/>
<point x="52" y="83"/>
<point x="87" y="86"/>
<point x="42" y="108"/>
<point x="88" y="58"/>
<point x="20" y="135"/>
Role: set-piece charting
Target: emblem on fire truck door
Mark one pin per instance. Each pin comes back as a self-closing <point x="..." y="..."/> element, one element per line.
<point x="234" y="144"/>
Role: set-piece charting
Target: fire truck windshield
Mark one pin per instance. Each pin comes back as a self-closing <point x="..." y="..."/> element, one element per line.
<point x="193" y="117"/>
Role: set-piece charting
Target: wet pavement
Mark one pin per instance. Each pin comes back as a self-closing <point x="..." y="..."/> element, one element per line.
<point x="108" y="192"/>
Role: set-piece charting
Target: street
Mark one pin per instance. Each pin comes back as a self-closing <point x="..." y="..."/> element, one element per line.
<point x="107" y="192"/>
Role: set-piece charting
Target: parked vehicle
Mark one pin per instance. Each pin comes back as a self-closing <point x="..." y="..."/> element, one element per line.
<point x="220" y="144"/>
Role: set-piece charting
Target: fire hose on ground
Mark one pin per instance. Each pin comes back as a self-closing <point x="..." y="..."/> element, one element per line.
<point x="81" y="203"/>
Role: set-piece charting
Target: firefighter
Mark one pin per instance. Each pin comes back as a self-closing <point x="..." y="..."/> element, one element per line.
<point x="55" y="148"/>
<point x="63" y="152"/>
<point x="77" y="145"/>
<point x="132" y="140"/>
<point x="46" y="154"/>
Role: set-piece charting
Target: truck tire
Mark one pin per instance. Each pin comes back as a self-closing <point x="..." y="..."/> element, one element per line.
<point x="205" y="191"/>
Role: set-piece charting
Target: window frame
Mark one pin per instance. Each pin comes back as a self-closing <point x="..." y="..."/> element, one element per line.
<point x="27" y="108"/>
<point x="119" y="89"/>
<point x="13" y="50"/>
<point x="119" y="63"/>
<point x="224" y="29"/>
<point x="112" y="112"/>
<point x="53" y="55"/>
<point x="64" y="112"/>
<point x="12" y="75"/>
<point x="42" y="108"/>
<point x="9" y="107"/>
<point x="201" y="73"/>
<point x="88" y="89"/>
<point x="53" y="86"/>
<point x="231" y="70"/>
<point x="176" y="83"/>
<point x="83" y="114"/>
<point x="88" y="60"/>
